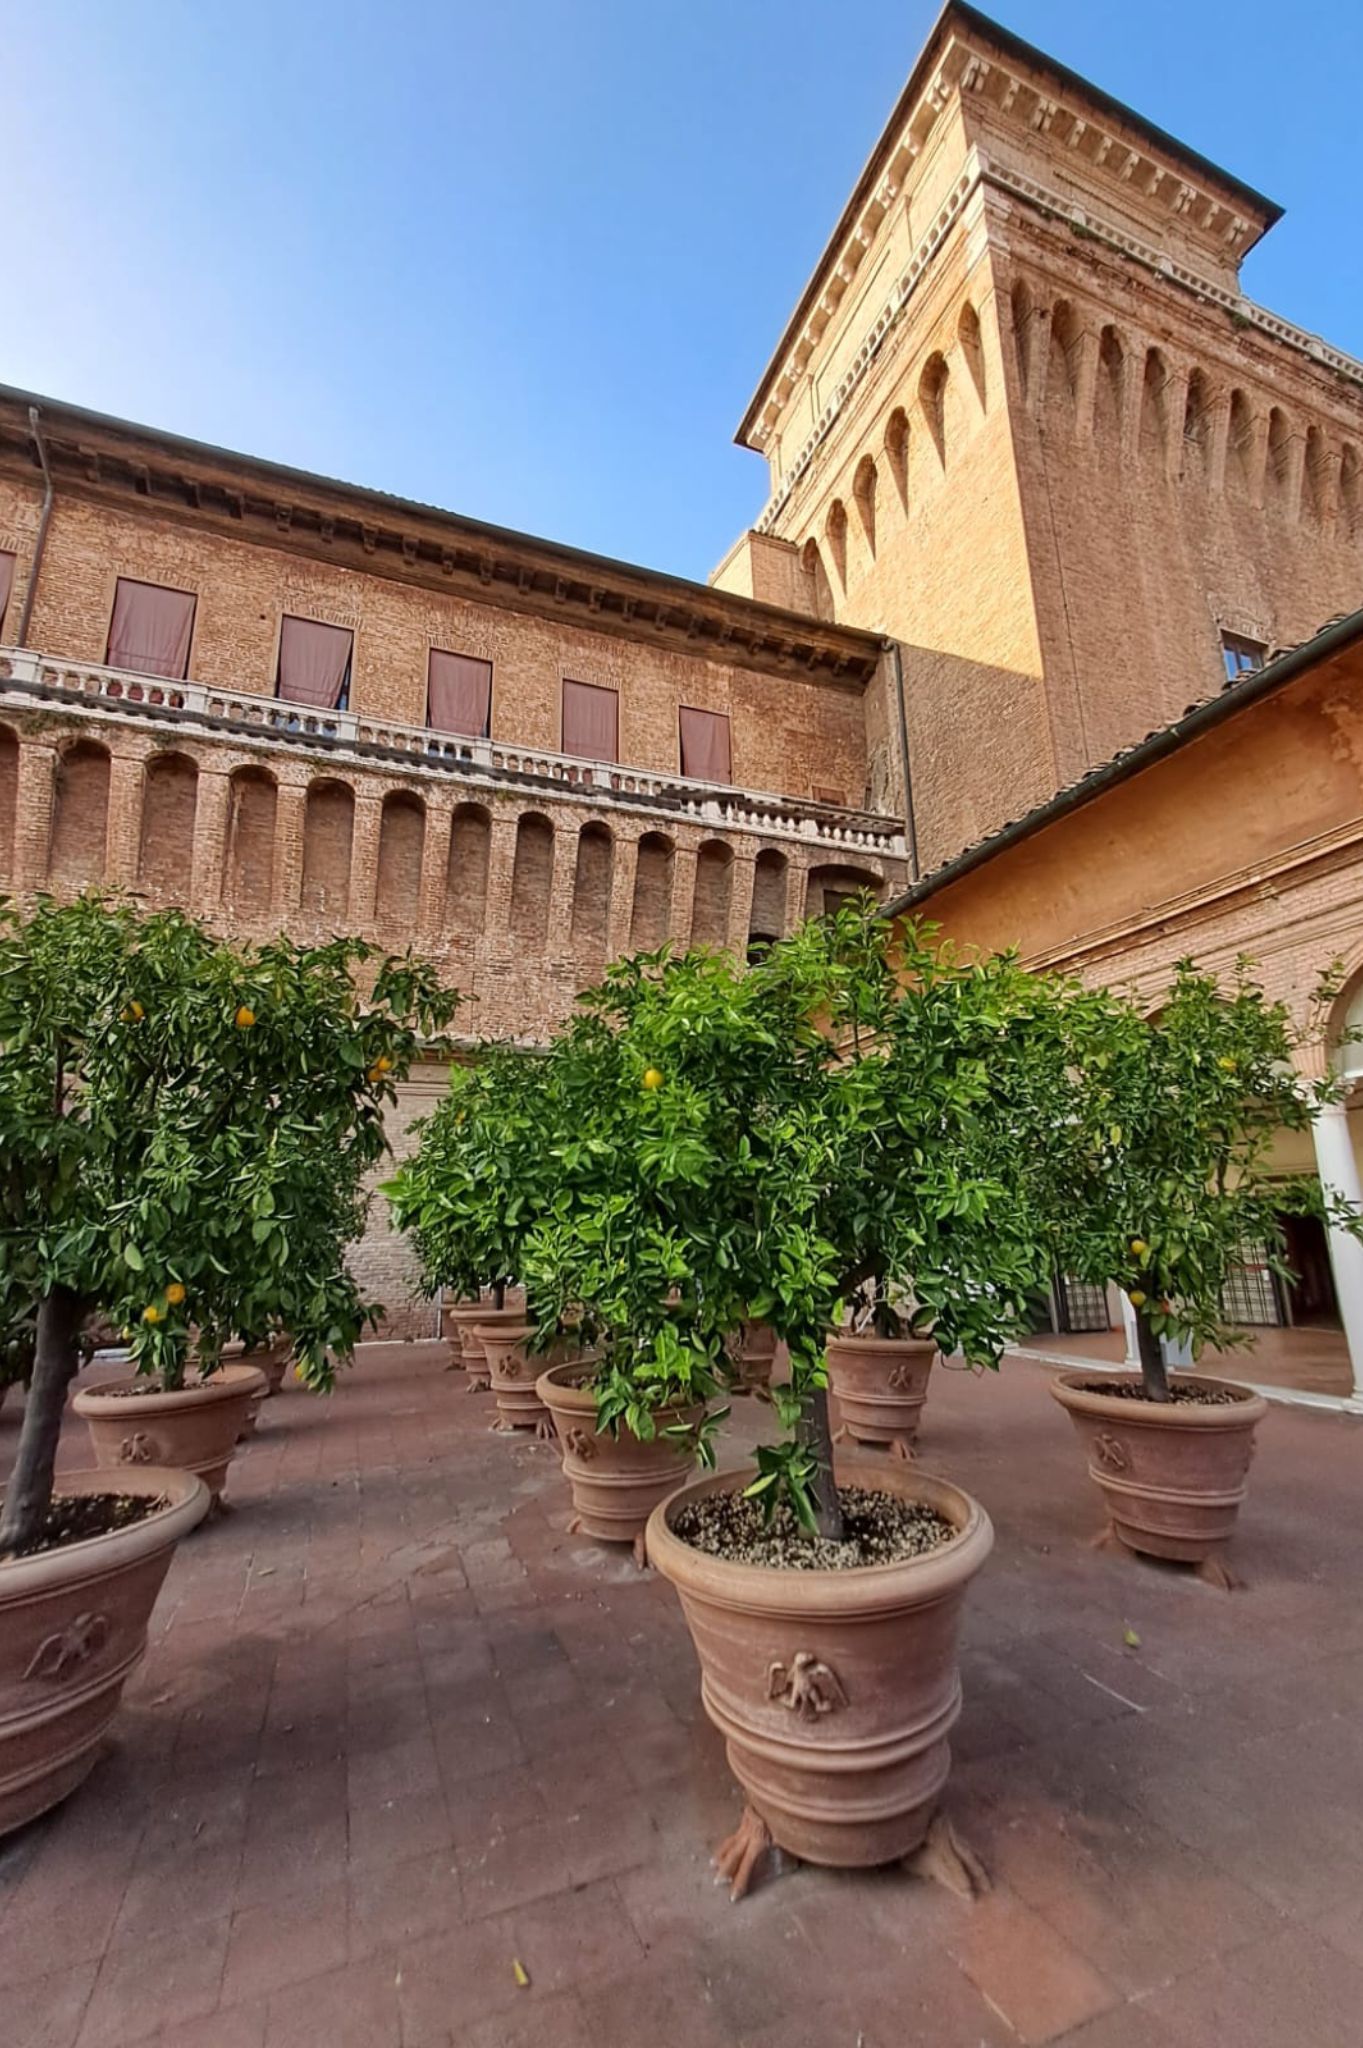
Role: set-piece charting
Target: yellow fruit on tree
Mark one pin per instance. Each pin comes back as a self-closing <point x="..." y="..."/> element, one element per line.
<point x="1226" y="1063"/>
<point x="133" y="1013"/>
<point x="1139" y="1248"/>
<point x="151" y="1313"/>
<point x="175" y="1293"/>
<point x="244" y="1018"/>
<point x="652" y="1078"/>
<point x="382" y="1064"/>
<point x="1136" y="1297"/>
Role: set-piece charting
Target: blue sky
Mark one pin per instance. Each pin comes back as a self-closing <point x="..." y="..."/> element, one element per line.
<point x="528" y="260"/>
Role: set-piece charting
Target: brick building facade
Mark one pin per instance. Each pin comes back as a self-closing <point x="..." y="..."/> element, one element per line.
<point x="1038" y="470"/>
<point x="1025" y="420"/>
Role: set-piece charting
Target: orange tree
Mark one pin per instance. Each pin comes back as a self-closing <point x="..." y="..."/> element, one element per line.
<point x="863" y="1107"/>
<point x="1167" y="1159"/>
<point x="185" y="1126"/>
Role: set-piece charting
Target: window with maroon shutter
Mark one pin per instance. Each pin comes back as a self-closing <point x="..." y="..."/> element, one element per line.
<point x="459" y="694"/>
<point x="591" y="721"/>
<point x="314" y="664"/>
<point x="705" y="745"/>
<point x="151" y="629"/>
<point x="6" y="585"/>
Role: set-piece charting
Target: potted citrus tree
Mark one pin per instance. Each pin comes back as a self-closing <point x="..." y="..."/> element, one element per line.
<point x="1172" y="1180"/>
<point x="470" y="1195"/>
<point x="768" y="1142"/>
<point x="184" y="1125"/>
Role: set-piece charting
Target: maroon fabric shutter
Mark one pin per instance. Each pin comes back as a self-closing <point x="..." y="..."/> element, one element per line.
<point x="313" y="660"/>
<point x="705" y="745"/>
<point x="591" y="721"/>
<point x="458" y="694"/>
<point x="150" y="629"/>
<point x="6" y="582"/>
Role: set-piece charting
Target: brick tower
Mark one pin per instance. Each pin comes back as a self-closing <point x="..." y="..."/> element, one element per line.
<point x="1024" y="420"/>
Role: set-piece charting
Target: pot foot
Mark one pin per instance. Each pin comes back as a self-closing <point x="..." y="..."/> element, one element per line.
<point x="903" y="1450"/>
<point x="1214" y="1571"/>
<point x="477" y="1386"/>
<point x="501" y="1429"/>
<point x="545" y="1433"/>
<point x="640" y="1551"/>
<point x="575" y="1526"/>
<point x="1106" y="1539"/>
<point x="738" y="1855"/>
<point x="946" y="1860"/>
<point x="841" y="1436"/>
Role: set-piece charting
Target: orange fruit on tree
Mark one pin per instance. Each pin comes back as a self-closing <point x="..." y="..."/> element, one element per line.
<point x="151" y="1313"/>
<point x="175" y="1293"/>
<point x="133" y="1013"/>
<point x="244" y="1018"/>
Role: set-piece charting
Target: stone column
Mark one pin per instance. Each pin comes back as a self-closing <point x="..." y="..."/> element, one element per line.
<point x="1216" y="465"/>
<point x="681" y="915"/>
<point x="1175" y="413"/>
<point x="435" y="862"/>
<point x="623" y="870"/>
<point x="501" y="866"/>
<point x="559" y="934"/>
<point x="1338" y="1171"/>
<point x="123" y="833"/>
<point x="34" y="797"/>
<point x="742" y="875"/>
<point x="210" y="839"/>
<point x="1085" y="379"/>
<point x="364" y="861"/>
<point x="797" y="895"/>
<point x="290" y="818"/>
<point x="1258" y="460"/>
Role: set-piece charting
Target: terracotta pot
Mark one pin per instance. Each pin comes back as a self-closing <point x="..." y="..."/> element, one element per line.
<point x="73" y="1626"/>
<point x="880" y="1385"/>
<point x="616" y="1481"/>
<point x="753" y="1352"/>
<point x="456" y="1326"/>
<point x="1173" y="1474"/>
<point x="513" y="1374"/>
<point x="194" y="1430"/>
<point x="835" y="1691"/>
<point x="272" y="1360"/>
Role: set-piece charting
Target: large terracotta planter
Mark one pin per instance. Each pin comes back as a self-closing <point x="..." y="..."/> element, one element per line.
<point x="73" y="1625"/>
<point x="835" y="1691"/>
<point x="616" y="1481"/>
<point x="272" y="1360"/>
<point x="456" y="1326"/>
<point x="880" y="1385"/>
<point x="1173" y="1474"/>
<point x="193" y="1430"/>
<point x="513" y="1373"/>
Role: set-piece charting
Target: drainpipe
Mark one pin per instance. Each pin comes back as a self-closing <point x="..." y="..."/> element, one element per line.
<point x="21" y="638"/>
<point x="910" y="828"/>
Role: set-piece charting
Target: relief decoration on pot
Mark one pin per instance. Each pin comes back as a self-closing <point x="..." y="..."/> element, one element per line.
<point x="1110" y="1452"/>
<point x="808" y="1686"/>
<point x="70" y="1647"/>
<point x="579" y="1443"/>
<point x="139" y="1449"/>
<point x="901" y="1379"/>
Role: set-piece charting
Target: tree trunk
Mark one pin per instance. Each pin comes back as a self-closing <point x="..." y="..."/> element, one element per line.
<point x="1153" y="1371"/>
<point x="499" y="1294"/>
<point x="56" y="1362"/>
<point x="816" y="1432"/>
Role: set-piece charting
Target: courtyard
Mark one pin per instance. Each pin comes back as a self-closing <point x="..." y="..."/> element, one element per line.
<point x="410" y="1764"/>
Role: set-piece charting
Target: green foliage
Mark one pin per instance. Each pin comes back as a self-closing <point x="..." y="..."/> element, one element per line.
<point x="478" y="1182"/>
<point x="185" y="1125"/>
<point x="1167" y="1158"/>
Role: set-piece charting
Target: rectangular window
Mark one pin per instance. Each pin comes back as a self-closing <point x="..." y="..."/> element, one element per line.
<point x="824" y="793"/>
<point x="314" y="664"/>
<point x="6" y="586"/>
<point x="151" y="629"/>
<point x="459" y="694"/>
<point x="705" y="745"/>
<point x="1241" y="656"/>
<point x="591" y="721"/>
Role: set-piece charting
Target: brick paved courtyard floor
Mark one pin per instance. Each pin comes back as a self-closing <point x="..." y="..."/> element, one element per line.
<point x="399" y="1733"/>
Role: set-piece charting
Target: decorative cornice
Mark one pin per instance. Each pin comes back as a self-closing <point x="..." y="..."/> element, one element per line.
<point x="980" y="171"/>
<point x="247" y="498"/>
<point x="1018" y="81"/>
